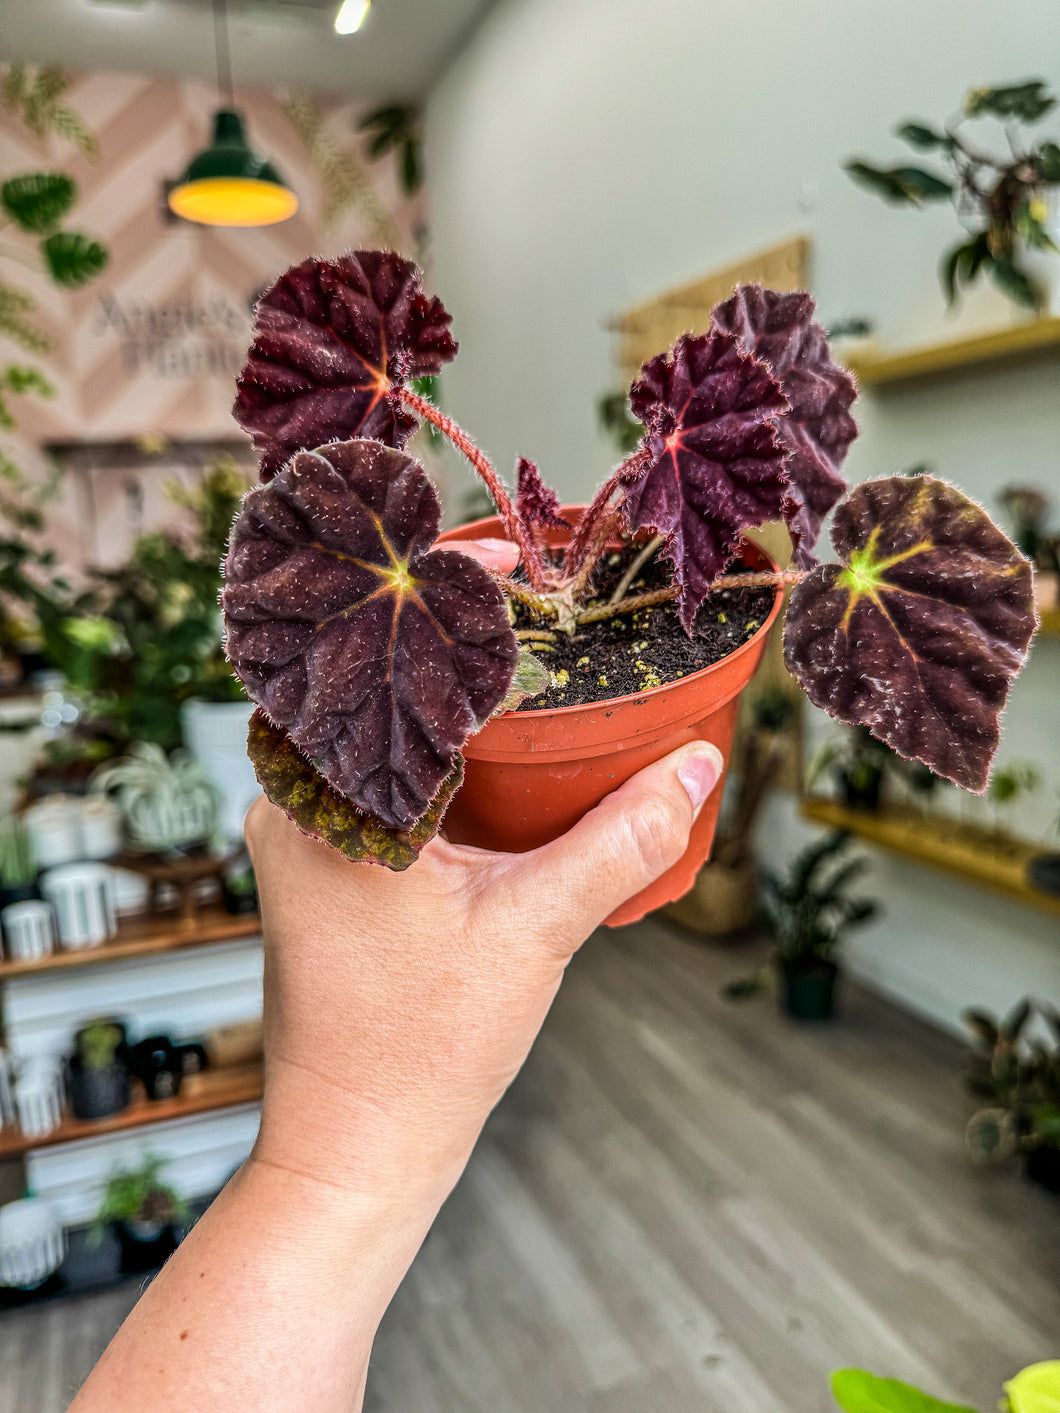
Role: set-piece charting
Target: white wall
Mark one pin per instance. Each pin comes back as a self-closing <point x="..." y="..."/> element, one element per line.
<point x="585" y="154"/>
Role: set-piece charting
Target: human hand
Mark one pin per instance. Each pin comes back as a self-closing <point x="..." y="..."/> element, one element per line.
<point x="400" y="1006"/>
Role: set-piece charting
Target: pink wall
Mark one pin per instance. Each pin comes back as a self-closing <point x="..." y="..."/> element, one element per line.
<point x="152" y="345"/>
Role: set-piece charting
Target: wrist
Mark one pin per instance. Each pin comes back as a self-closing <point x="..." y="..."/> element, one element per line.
<point x="362" y="1150"/>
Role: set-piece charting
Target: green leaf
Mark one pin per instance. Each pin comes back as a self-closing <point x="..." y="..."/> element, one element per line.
<point x="38" y="201"/>
<point x="1049" y="161"/>
<point x="961" y="265"/>
<point x="1027" y="101"/>
<point x="14" y="303"/>
<point x="411" y="169"/>
<point x="72" y="258"/>
<point x="911" y="185"/>
<point x="1011" y="280"/>
<point x="531" y="678"/>
<point x="858" y="1391"/>
<point x="291" y="782"/>
<point x="923" y="138"/>
<point x="1036" y="1389"/>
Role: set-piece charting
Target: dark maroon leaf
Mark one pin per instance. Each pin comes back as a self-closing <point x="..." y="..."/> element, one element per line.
<point x="331" y="339"/>
<point x="713" y="462"/>
<point x="378" y="655"/>
<point x="290" y="781"/>
<point x="920" y="630"/>
<point x="537" y="503"/>
<point x="817" y="432"/>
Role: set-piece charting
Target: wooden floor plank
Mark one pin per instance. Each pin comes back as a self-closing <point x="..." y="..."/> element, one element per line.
<point x="687" y="1206"/>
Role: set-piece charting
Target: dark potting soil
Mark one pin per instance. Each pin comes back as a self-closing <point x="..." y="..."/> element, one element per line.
<point x="634" y="652"/>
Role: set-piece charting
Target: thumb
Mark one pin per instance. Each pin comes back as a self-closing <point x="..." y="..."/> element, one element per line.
<point x="627" y="841"/>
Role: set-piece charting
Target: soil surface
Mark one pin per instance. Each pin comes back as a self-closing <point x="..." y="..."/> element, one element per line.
<point x="634" y="652"/>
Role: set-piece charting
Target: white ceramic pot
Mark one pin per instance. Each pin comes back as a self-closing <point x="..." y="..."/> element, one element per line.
<point x="28" y="930"/>
<point x="39" y="1095"/>
<point x="84" y="909"/>
<point x="54" y="830"/>
<point x="215" y="733"/>
<point x="32" y="1243"/>
<point x="100" y="828"/>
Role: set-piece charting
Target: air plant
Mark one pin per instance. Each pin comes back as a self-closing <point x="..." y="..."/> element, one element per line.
<point x="373" y="655"/>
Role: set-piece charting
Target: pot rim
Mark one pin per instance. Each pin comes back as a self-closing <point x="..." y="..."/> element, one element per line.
<point x="481" y="528"/>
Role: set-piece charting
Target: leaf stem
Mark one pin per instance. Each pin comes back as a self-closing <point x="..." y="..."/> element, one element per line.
<point x="635" y="568"/>
<point x="765" y="578"/>
<point x="543" y="606"/>
<point x="514" y="528"/>
<point x="586" y="533"/>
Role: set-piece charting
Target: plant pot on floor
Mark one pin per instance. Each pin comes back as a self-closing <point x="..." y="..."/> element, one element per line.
<point x="144" y="1246"/>
<point x="1042" y="1165"/>
<point x="807" y="989"/>
<point x="531" y="775"/>
<point x="721" y="904"/>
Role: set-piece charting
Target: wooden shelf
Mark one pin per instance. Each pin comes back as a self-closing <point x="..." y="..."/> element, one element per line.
<point x="143" y="936"/>
<point x="938" y="842"/>
<point x="1050" y="625"/>
<point x="200" y="1094"/>
<point x="1037" y="336"/>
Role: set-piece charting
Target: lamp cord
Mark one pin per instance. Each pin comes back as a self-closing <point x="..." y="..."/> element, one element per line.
<point x="224" y="58"/>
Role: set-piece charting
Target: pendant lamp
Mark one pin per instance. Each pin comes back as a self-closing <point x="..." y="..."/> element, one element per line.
<point x="228" y="184"/>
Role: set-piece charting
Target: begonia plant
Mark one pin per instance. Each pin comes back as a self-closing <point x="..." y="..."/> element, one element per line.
<point x="373" y="655"/>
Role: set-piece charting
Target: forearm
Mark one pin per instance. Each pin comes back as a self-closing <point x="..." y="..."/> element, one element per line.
<point x="272" y="1301"/>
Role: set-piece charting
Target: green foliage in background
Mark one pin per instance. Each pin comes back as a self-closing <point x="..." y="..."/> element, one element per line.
<point x="139" y="1195"/>
<point x="147" y="636"/>
<point x="36" y="204"/>
<point x="1017" y="1077"/>
<point x="1035" y="1389"/>
<point x="1003" y="200"/>
<point x="395" y="127"/>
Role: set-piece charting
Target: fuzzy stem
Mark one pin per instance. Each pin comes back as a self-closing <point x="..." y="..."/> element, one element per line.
<point x="585" y="534"/>
<point x="635" y="568"/>
<point x="535" y="635"/>
<point x="605" y="528"/>
<point x="513" y="525"/>
<point x="522" y="593"/>
<point x="758" y="579"/>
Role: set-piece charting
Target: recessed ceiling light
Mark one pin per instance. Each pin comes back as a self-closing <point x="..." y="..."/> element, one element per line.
<point x="351" y="16"/>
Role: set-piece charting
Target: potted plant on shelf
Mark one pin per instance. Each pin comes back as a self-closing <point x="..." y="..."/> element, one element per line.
<point x="723" y="900"/>
<point x="1018" y="1075"/>
<point x="1027" y="509"/>
<point x="1035" y="1389"/>
<point x="389" y="668"/>
<point x="18" y="868"/>
<point x="97" y="1078"/>
<point x="858" y="763"/>
<point x="809" y="914"/>
<point x="144" y="1213"/>
<point x="1003" y="201"/>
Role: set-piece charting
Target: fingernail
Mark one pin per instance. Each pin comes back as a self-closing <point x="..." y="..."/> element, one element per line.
<point x="699" y="772"/>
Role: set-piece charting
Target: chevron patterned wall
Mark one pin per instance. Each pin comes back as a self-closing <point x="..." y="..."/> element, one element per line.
<point x="151" y="347"/>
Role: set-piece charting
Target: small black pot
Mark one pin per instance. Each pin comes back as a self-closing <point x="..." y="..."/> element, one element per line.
<point x="18" y="893"/>
<point x="863" y="793"/>
<point x="807" y="989"/>
<point x="159" y="1064"/>
<point x="1044" y="872"/>
<point x="144" y="1246"/>
<point x="1042" y="1165"/>
<point x="239" y="901"/>
<point x="96" y="1094"/>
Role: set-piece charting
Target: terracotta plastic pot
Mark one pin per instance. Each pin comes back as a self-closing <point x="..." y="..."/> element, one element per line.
<point x="531" y="775"/>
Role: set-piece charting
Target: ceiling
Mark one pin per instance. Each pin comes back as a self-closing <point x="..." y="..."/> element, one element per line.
<point x="399" y="51"/>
